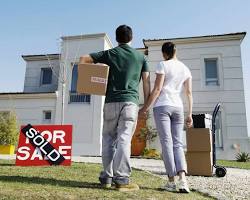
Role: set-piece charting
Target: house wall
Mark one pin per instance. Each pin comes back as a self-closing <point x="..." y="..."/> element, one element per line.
<point x="85" y="117"/>
<point x="32" y="81"/>
<point x="230" y="92"/>
<point x="29" y="108"/>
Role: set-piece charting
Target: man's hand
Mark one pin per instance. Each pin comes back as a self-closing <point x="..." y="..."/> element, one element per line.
<point x="143" y="114"/>
<point x="189" y="121"/>
<point x="86" y="59"/>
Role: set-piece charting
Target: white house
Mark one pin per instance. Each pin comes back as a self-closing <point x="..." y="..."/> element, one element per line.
<point x="215" y="63"/>
<point x="216" y="67"/>
<point x="41" y="100"/>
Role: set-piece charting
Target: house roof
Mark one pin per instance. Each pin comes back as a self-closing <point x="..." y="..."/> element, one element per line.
<point x="74" y="37"/>
<point x="205" y="38"/>
<point x="41" y="57"/>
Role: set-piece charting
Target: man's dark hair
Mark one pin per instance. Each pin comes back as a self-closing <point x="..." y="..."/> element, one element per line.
<point x="169" y="48"/>
<point x="123" y="34"/>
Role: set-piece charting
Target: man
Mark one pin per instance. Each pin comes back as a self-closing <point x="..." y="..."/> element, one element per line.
<point x="127" y="67"/>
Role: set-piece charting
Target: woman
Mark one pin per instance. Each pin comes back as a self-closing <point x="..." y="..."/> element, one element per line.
<point x="171" y="76"/>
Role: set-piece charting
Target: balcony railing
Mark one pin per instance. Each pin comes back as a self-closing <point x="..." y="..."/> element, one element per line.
<point x="79" y="98"/>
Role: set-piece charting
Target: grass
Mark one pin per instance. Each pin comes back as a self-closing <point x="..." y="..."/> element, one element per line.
<point x="80" y="181"/>
<point x="234" y="164"/>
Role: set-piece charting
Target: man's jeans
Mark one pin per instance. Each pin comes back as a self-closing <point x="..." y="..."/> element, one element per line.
<point x="120" y="120"/>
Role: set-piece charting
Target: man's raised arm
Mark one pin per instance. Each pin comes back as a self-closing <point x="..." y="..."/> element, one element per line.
<point x="146" y="85"/>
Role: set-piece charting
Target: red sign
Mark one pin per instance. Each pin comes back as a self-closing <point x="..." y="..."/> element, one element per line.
<point x="42" y="145"/>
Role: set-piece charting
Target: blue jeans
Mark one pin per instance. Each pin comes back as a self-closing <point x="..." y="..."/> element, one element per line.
<point x="120" y="120"/>
<point x="169" y="122"/>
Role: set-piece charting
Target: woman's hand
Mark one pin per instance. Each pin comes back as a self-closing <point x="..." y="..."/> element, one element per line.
<point x="143" y="113"/>
<point x="189" y="121"/>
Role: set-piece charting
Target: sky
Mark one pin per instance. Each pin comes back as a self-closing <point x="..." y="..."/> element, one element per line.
<point x="34" y="27"/>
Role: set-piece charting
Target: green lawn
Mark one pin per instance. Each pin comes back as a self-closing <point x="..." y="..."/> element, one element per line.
<point x="233" y="163"/>
<point x="80" y="181"/>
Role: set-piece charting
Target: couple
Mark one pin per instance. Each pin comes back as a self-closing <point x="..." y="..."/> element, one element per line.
<point x="127" y="67"/>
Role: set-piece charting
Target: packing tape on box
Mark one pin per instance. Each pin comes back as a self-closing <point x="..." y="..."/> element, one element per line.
<point x="95" y="79"/>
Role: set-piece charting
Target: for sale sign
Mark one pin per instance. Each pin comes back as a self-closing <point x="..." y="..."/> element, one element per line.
<point x="44" y="145"/>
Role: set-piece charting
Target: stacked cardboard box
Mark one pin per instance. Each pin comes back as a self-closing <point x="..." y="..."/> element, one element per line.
<point x="199" y="152"/>
<point x="202" y="121"/>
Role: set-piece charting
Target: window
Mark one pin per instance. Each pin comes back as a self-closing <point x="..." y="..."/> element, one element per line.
<point x="74" y="96"/>
<point x="46" y="76"/>
<point x="47" y="115"/>
<point x="218" y="131"/>
<point x="74" y="78"/>
<point x="211" y="72"/>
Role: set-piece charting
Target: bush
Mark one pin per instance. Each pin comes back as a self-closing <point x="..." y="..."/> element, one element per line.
<point x="148" y="134"/>
<point x="151" y="153"/>
<point x="243" y="157"/>
<point x="8" y="128"/>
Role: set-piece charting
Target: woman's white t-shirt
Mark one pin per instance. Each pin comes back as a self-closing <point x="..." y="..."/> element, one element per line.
<point x="176" y="73"/>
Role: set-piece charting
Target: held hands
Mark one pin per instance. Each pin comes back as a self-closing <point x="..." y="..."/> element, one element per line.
<point x="189" y="121"/>
<point x="142" y="113"/>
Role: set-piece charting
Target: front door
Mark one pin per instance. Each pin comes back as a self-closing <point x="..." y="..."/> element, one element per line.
<point x="138" y="144"/>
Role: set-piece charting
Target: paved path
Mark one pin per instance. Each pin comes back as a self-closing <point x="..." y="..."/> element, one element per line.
<point x="235" y="185"/>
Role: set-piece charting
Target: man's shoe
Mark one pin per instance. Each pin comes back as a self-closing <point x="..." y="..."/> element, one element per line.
<point x="127" y="187"/>
<point x="105" y="182"/>
<point x="106" y="185"/>
<point x="170" y="187"/>
<point x="183" y="186"/>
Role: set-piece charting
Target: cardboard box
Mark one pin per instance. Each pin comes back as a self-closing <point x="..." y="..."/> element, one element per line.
<point x="92" y="79"/>
<point x="199" y="163"/>
<point x="199" y="140"/>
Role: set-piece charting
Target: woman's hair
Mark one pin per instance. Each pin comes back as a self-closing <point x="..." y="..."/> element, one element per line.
<point x="169" y="49"/>
<point x="123" y="34"/>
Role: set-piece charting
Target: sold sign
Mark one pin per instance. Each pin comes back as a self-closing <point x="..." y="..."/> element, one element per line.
<point x="44" y="145"/>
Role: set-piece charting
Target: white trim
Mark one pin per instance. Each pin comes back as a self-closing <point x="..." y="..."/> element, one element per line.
<point x="40" y="57"/>
<point x="28" y="96"/>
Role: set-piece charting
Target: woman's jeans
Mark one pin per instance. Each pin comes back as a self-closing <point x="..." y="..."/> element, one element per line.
<point x="169" y="123"/>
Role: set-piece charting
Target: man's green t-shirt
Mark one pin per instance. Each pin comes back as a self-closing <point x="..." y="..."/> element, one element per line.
<point x="126" y="65"/>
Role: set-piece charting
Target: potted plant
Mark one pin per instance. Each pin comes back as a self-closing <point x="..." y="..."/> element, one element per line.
<point x="138" y="144"/>
<point x="8" y="132"/>
<point x="149" y="134"/>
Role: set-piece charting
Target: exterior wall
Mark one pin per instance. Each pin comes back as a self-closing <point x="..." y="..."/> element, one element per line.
<point x="85" y="117"/>
<point x="32" y="81"/>
<point x="29" y="108"/>
<point x="230" y="92"/>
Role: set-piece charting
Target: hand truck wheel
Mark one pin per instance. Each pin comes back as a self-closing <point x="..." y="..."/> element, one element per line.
<point x="220" y="171"/>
